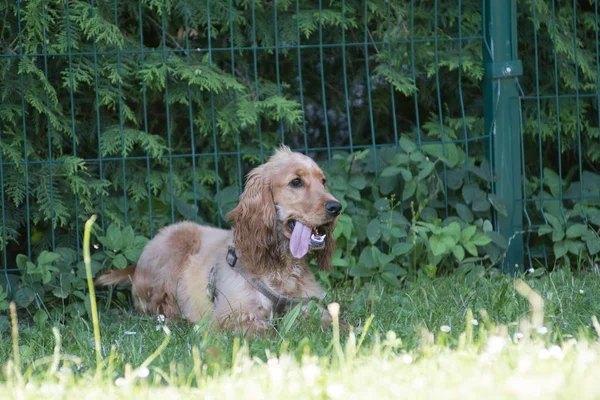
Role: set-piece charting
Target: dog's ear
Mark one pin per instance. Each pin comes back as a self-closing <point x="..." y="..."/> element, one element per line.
<point x="254" y="222"/>
<point x="325" y="256"/>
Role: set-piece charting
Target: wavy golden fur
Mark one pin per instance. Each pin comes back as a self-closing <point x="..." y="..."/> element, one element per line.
<point x="173" y="272"/>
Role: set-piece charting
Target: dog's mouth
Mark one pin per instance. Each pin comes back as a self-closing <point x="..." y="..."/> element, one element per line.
<point x="305" y="238"/>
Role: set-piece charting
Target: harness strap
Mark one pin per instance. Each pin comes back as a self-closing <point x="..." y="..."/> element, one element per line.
<point x="280" y="302"/>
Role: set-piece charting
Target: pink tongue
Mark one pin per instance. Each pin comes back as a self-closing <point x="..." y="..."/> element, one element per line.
<point x="300" y="240"/>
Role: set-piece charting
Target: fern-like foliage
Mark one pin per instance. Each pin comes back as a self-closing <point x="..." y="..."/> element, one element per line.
<point x="145" y="111"/>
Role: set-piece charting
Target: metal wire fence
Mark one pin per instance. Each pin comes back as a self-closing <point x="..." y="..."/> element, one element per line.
<point x="146" y="112"/>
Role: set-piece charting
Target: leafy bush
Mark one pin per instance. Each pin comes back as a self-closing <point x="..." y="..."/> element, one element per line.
<point x="400" y="220"/>
<point x="59" y="278"/>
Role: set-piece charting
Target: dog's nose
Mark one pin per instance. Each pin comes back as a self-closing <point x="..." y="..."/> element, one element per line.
<point x="333" y="208"/>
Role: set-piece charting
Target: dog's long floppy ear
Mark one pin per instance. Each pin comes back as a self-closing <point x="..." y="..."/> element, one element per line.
<point x="325" y="256"/>
<point x="254" y="223"/>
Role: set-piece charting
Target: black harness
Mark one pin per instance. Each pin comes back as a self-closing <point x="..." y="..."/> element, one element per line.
<point x="280" y="302"/>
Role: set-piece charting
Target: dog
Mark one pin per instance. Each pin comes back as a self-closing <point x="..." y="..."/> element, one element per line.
<point x="242" y="278"/>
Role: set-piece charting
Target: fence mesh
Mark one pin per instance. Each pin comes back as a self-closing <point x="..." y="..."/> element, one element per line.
<point x="146" y="112"/>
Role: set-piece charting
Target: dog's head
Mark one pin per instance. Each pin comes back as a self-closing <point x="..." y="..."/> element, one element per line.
<point x="285" y="207"/>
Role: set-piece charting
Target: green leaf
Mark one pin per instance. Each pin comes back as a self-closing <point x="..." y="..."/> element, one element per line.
<point x="409" y="190"/>
<point x="452" y="229"/>
<point x="458" y="252"/>
<point x="481" y="204"/>
<point x="402" y="248"/>
<point x="391" y="279"/>
<point x="487" y="226"/>
<point x="437" y="246"/>
<point x="390" y="171"/>
<point x="407" y="145"/>
<point x="558" y="233"/>
<point x="22" y="261"/>
<point x="31" y="268"/>
<point x="374" y="231"/>
<point x="24" y="296"/>
<point x="60" y="292"/>
<point x="560" y="249"/>
<point x="467" y="233"/>
<point x="455" y="179"/>
<point x="114" y="235"/>
<point x="290" y="318"/>
<point x="47" y="257"/>
<point x="398" y="232"/>
<point x="360" y="270"/>
<point x="400" y="159"/>
<point x="481" y="172"/>
<point x="453" y="155"/>
<point x="127" y="238"/>
<point x="593" y="246"/>
<point x="382" y="204"/>
<point x="471" y="192"/>
<point x="406" y="174"/>
<point x="426" y="170"/>
<point x="480" y="240"/>
<point x="574" y="246"/>
<point x="358" y="182"/>
<point x="465" y="213"/>
<point x="497" y="239"/>
<point x="385" y="259"/>
<point x="375" y="256"/>
<point x="471" y="248"/>
<point x="497" y="204"/>
<point x="449" y="241"/>
<point x="450" y="154"/>
<point x="68" y="256"/>
<point x="347" y="225"/>
<point x="552" y="181"/>
<point x="40" y="317"/>
<point x="394" y="269"/>
<point x="338" y="261"/>
<point x="4" y="324"/>
<point x="576" y="230"/>
<point x="417" y="157"/>
<point x="366" y="258"/>
<point x="120" y="261"/>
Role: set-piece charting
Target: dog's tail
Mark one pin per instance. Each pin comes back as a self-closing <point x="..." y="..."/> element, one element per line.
<point x="116" y="277"/>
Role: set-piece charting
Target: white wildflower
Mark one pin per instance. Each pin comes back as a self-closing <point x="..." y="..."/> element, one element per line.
<point x="158" y="327"/>
<point x="196" y="328"/>
<point x="544" y="354"/>
<point x="474" y="322"/>
<point x="556" y="352"/>
<point x="311" y="373"/>
<point x="518" y="336"/>
<point x="581" y="291"/>
<point x="445" y="328"/>
<point x="419" y="382"/>
<point x="335" y="390"/>
<point x="531" y="270"/>
<point x="542" y="330"/>
<point x="143" y="372"/>
<point x="121" y="382"/>
<point x="406" y="359"/>
<point x="495" y="344"/>
<point x="160" y="318"/>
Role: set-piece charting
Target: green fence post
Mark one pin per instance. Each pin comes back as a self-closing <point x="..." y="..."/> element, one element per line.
<point x="502" y="120"/>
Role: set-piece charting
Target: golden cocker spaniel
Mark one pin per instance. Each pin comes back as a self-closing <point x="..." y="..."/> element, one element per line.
<point x="241" y="278"/>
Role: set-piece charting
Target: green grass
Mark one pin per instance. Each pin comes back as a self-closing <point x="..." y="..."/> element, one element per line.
<point x="405" y="351"/>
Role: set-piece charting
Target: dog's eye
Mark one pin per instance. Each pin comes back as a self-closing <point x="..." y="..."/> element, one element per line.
<point x="324" y="181"/>
<point x="296" y="183"/>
